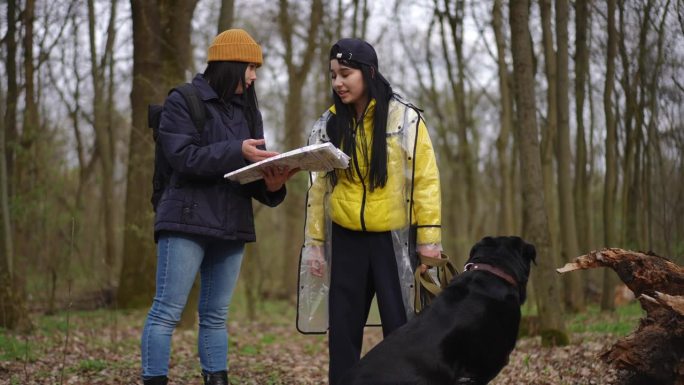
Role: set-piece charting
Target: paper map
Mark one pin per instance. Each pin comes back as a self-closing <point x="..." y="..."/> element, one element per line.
<point x="316" y="157"/>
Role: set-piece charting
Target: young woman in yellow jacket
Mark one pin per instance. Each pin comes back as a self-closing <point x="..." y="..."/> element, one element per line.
<point x="365" y="224"/>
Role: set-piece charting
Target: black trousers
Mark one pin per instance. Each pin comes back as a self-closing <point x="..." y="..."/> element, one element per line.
<point x="363" y="265"/>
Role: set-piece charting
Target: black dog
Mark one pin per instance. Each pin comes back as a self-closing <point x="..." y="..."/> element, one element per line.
<point x="467" y="333"/>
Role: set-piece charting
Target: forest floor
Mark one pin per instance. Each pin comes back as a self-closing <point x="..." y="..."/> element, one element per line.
<point x="102" y="347"/>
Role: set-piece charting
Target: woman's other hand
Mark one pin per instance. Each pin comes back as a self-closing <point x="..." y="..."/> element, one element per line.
<point x="315" y="260"/>
<point x="252" y="153"/>
<point x="430" y="251"/>
<point x="276" y="176"/>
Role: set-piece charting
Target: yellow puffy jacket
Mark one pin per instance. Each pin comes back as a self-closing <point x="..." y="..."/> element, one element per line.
<point x="412" y="174"/>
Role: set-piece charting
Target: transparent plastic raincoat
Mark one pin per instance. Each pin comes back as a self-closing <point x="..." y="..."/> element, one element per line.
<point x="413" y="211"/>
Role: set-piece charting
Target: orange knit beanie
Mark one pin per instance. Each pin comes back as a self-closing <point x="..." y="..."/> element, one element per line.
<point x="235" y="45"/>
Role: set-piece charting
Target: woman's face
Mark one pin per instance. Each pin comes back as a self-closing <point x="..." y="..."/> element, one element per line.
<point x="250" y="77"/>
<point x="347" y="83"/>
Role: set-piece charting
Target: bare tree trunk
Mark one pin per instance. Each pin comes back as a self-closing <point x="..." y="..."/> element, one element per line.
<point x="610" y="180"/>
<point x="27" y="160"/>
<point x="574" y="297"/>
<point x="456" y="23"/>
<point x="31" y="118"/>
<point x="340" y="19"/>
<point x="653" y="154"/>
<point x="9" y="124"/>
<point x="103" y="139"/>
<point x="26" y="163"/>
<point x="549" y="130"/>
<point x="13" y="313"/>
<point x="294" y="135"/>
<point x="466" y="192"/>
<point x="535" y="225"/>
<point x="355" y="5"/>
<point x="628" y="156"/>
<point x="594" y="279"/>
<point x="364" y="19"/>
<point x="155" y="71"/>
<point x="637" y="189"/>
<point x="136" y="282"/>
<point x="456" y="196"/>
<point x="6" y="252"/>
<point x="506" y="224"/>
<point x="10" y="117"/>
<point x="581" y="188"/>
<point x="11" y="302"/>
<point x="226" y="16"/>
<point x="633" y="124"/>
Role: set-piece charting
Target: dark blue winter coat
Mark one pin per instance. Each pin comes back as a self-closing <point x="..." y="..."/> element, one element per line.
<point x="198" y="199"/>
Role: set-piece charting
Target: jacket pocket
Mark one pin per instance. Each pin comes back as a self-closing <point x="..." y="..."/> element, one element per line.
<point x="202" y="207"/>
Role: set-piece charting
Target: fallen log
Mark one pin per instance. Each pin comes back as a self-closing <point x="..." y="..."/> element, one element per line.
<point x="654" y="353"/>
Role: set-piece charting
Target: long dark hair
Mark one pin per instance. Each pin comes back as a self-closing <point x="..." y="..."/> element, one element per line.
<point x="342" y="126"/>
<point x="224" y="78"/>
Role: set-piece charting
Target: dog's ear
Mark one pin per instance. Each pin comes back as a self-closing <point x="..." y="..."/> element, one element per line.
<point x="529" y="252"/>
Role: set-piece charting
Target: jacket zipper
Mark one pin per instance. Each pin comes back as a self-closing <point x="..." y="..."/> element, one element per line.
<point x="363" y="198"/>
<point x="358" y="170"/>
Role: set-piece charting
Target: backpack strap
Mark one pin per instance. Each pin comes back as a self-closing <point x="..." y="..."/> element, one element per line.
<point x="198" y="112"/>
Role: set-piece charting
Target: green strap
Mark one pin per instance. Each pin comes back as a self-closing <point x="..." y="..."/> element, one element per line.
<point x="426" y="288"/>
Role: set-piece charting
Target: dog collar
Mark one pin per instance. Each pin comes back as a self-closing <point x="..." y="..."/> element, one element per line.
<point x="491" y="269"/>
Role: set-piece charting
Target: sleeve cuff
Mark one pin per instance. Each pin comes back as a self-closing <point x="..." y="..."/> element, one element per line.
<point x="429" y="235"/>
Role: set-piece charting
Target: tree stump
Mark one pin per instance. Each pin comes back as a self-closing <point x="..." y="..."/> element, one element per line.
<point x="654" y="353"/>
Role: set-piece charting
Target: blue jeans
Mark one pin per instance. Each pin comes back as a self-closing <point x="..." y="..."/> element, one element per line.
<point x="179" y="257"/>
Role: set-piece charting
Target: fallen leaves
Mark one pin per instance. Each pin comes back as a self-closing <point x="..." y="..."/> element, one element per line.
<point x="103" y="348"/>
<point x="574" y="364"/>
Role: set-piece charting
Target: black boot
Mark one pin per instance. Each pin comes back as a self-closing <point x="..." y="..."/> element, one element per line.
<point x="216" y="378"/>
<point x="157" y="380"/>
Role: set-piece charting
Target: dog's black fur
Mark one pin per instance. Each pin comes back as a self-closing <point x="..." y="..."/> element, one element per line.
<point x="466" y="334"/>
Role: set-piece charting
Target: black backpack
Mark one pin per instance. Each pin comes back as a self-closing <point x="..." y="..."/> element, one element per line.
<point x="162" y="169"/>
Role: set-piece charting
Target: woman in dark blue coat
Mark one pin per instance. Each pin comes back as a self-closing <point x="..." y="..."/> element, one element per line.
<point x="202" y="220"/>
